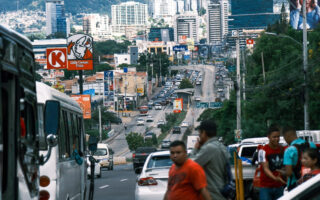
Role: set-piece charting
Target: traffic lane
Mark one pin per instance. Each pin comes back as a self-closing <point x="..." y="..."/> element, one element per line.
<point x="118" y="184"/>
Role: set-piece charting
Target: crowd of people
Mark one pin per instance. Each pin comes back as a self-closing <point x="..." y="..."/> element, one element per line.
<point x="207" y="175"/>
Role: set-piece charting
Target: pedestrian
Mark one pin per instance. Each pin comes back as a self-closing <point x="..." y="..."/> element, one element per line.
<point x="310" y="159"/>
<point x="292" y="156"/>
<point x="213" y="156"/>
<point x="187" y="180"/>
<point x="271" y="159"/>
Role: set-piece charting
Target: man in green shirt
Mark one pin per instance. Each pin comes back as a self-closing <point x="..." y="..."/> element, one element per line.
<point x="213" y="157"/>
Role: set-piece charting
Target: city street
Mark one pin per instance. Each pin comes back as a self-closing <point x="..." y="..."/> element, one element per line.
<point x="118" y="184"/>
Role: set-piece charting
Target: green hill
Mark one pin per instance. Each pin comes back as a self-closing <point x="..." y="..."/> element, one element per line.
<point x="72" y="6"/>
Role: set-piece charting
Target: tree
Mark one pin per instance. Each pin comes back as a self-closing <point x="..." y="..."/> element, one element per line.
<point x="123" y="65"/>
<point x="103" y="67"/>
<point x="185" y="83"/>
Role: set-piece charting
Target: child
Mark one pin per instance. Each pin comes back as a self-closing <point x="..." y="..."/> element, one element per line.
<point x="310" y="159"/>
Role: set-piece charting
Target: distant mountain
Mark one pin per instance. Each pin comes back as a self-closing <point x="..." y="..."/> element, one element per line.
<point x="72" y="6"/>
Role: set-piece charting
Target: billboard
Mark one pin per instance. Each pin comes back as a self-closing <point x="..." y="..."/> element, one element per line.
<point x="296" y="17"/>
<point x="56" y="58"/>
<point x="85" y="104"/>
<point x="80" y="52"/>
<point x="177" y="105"/>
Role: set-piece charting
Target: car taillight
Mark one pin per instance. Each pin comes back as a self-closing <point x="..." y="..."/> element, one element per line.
<point x="133" y="155"/>
<point x="44" y="181"/>
<point x="147" y="181"/>
<point x="143" y="154"/>
<point x="44" y="195"/>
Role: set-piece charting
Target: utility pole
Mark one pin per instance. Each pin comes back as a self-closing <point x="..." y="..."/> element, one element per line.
<point x="263" y="72"/>
<point x="243" y="75"/>
<point x="100" y="129"/>
<point x="238" y="83"/>
<point x="147" y="77"/>
<point x="160" y="71"/>
<point x="80" y="82"/>
<point x="305" y="68"/>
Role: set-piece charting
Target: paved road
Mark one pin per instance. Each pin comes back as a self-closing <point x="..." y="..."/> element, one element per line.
<point x="118" y="184"/>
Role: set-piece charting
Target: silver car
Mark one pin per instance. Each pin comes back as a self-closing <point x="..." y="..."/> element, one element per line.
<point x="152" y="182"/>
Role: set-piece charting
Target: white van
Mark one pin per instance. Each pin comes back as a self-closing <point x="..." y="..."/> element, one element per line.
<point x="104" y="156"/>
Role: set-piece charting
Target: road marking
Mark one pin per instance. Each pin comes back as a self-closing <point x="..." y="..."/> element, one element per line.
<point x="123" y="180"/>
<point x="104" y="186"/>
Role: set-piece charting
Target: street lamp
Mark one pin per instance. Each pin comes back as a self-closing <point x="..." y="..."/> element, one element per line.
<point x="305" y="68"/>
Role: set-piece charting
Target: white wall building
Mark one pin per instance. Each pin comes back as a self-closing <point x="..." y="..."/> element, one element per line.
<point x="97" y="26"/>
<point x="121" y="59"/>
<point x="186" y="26"/>
<point x="217" y="21"/>
<point x="129" y="17"/>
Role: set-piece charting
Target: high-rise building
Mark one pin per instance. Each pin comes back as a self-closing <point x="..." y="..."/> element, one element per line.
<point x="164" y="8"/>
<point x="217" y="24"/>
<point x="55" y="17"/>
<point x="161" y="34"/>
<point x="186" y="27"/>
<point x="96" y="25"/>
<point x="129" y="17"/>
<point x="253" y="14"/>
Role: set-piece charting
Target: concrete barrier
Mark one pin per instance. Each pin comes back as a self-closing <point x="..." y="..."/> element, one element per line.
<point x="119" y="160"/>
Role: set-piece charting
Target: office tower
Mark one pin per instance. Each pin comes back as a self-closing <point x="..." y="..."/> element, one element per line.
<point x="186" y="27"/>
<point x="217" y="21"/>
<point x="55" y="17"/>
<point x="164" y="8"/>
<point x="96" y="25"/>
<point x="129" y="17"/>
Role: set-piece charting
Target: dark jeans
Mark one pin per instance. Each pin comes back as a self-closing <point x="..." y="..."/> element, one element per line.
<point x="270" y="193"/>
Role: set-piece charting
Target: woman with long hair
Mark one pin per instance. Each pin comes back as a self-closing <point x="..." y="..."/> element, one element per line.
<point x="313" y="14"/>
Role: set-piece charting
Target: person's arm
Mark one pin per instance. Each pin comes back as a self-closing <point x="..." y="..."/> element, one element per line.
<point x="267" y="171"/>
<point x="205" y="194"/>
<point x="165" y="196"/>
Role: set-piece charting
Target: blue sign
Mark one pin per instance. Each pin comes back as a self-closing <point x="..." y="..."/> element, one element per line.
<point x="187" y="57"/>
<point x="90" y="91"/>
<point x="108" y="75"/>
<point x="209" y="104"/>
<point x="125" y="69"/>
<point x="215" y="104"/>
<point x="231" y="68"/>
<point x="180" y="48"/>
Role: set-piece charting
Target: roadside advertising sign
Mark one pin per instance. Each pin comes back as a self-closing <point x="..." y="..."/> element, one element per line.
<point x="85" y="104"/>
<point x="80" y="52"/>
<point x="180" y="48"/>
<point x="140" y="91"/>
<point x="238" y="135"/>
<point x="296" y="14"/>
<point x="56" y="58"/>
<point x="250" y="41"/>
<point x="177" y="105"/>
<point x="108" y="82"/>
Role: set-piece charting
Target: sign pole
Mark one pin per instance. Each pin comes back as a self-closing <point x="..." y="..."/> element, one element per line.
<point x="80" y="82"/>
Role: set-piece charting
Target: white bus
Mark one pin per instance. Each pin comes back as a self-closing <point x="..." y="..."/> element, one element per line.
<point x="64" y="175"/>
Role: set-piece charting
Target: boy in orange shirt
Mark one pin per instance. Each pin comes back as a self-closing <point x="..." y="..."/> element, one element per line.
<point x="187" y="180"/>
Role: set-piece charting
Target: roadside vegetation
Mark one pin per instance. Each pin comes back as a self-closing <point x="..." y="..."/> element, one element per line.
<point x="136" y="140"/>
<point x="173" y="119"/>
<point x="276" y="98"/>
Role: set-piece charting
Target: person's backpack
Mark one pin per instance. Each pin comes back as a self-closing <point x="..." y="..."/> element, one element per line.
<point x="229" y="190"/>
<point x="298" y="167"/>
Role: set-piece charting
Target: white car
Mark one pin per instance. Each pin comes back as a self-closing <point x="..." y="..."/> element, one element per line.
<point x="160" y="122"/>
<point x="153" y="180"/>
<point x="308" y="190"/>
<point x="97" y="168"/>
<point x="158" y="107"/>
<point x="149" y="119"/>
<point x="140" y="122"/>
<point x="197" y="98"/>
<point x="184" y="124"/>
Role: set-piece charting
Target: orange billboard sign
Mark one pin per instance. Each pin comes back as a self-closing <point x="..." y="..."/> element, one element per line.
<point x="80" y="52"/>
<point x="85" y="104"/>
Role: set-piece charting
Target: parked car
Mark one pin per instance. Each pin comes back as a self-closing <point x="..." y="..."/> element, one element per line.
<point x="184" y="124"/>
<point x="165" y="144"/>
<point x="149" y="119"/>
<point x="140" y="156"/>
<point x="176" y="130"/>
<point x="140" y="122"/>
<point x="160" y="123"/>
<point x="197" y="98"/>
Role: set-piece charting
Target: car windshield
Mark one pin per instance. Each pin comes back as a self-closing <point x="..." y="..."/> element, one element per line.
<point x="248" y="151"/>
<point x="145" y="150"/>
<point x="159" y="161"/>
<point x="100" y="152"/>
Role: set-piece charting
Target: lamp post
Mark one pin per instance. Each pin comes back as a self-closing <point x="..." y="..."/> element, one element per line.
<point x="305" y="70"/>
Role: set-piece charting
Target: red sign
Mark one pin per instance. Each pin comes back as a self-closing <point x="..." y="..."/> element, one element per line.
<point x="80" y="52"/>
<point x="250" y="41"/>
<point x="80" y="64"/>
<point x="85" y="104"/>
<point x="57" y="58"/>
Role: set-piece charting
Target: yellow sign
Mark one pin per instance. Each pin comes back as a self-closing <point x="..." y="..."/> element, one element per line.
<point x="140" y="90"/>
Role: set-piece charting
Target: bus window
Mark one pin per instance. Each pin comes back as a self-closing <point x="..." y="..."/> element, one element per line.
<point x="63" y="137"/>
<point x="42" y="137"/>
<point x="75" y="132"/>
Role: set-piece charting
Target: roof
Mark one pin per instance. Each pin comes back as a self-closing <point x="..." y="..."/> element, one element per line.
<point x="161" y="153"/>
